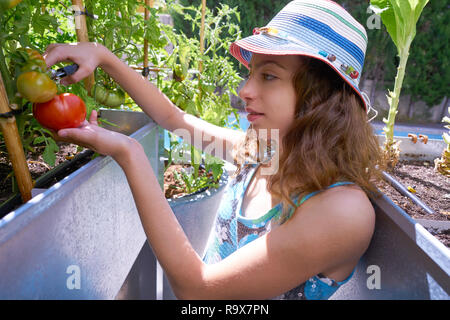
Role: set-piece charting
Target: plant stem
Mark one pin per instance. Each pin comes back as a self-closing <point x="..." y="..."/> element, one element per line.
<point x="4" y="72"/>
<point x="395" y="96"/>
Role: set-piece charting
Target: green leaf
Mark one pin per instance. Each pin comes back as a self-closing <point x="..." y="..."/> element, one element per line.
<point x="400" y="18"/>
<point x="446" y="138"/>
<point x="446" y="119"/>
<point x="387" y="14"/>
<point x="196" y="157"/>
<point x="49" y="154"/>
<point x="184" y="59"/>
<point x="38" y="140"/>
<point x="42" y="22"/>
<point x="217" y="171"/>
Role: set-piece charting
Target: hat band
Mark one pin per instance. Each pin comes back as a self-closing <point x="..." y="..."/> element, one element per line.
<point x="346" y="69"/>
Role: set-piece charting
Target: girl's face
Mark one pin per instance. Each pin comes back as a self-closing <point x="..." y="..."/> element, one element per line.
<point x="269" y="92"/>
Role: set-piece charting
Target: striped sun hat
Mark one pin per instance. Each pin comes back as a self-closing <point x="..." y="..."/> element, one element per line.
<point x="320" y="29"/>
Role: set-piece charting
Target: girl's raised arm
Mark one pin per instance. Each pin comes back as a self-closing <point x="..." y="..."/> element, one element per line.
<point x="152" y="101"/>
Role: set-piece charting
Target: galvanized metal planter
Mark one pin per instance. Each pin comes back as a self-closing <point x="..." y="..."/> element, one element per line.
<point x="196" y="214"/>
<point x="80" y="238"/>
<point x="404" y="260"/>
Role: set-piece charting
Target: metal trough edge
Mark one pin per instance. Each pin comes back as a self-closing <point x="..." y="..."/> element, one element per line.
<point x="431" y="246"/>
<point x="88" y="220"/>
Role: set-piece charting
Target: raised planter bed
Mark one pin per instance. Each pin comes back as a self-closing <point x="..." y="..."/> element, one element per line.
<point x="196" y="214"/>
<point x="85" y="227"/>
<point x="411" y="263"/>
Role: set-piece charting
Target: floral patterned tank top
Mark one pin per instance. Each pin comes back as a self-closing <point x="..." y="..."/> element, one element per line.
<point x="232" y="231"/>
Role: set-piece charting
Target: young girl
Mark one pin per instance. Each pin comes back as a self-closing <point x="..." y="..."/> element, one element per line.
<point x="297" y="232"/>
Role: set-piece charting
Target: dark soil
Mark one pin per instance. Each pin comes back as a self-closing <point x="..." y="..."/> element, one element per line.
<point x="36" y="165"/>
<point x="176" y="188"/>
<point x="431" y="187"/>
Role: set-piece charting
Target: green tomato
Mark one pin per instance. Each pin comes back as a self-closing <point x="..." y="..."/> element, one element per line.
<point x="36" y="87"/>
<point x="111" y="98"/>
<point x="8" y="4"/>
<point x="26" y="60"/>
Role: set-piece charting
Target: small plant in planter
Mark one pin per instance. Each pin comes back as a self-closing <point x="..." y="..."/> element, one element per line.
<point x="400" y="19"/>
<point x="417" y="177"/>
<point x="202" y="83"/>
<point x="442" y="165"/>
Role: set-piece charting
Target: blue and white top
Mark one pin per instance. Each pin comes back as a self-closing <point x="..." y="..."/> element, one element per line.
<point x="232" y="231"/>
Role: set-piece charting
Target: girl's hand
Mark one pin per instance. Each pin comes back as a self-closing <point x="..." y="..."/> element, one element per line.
<point x="98" y="139"/>
<point x="87" y="55"/>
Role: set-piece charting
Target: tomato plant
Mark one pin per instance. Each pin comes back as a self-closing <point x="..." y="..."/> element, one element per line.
<point x="28" y="28"/>
<point x="63" y="111"/>
<point x="36" y="86"/>
<point x="34" y="24"/>
<point x="205" y="94"/>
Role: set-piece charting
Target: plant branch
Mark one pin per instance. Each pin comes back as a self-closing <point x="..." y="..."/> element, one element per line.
<point x="7" y="80"/>
<point x="394" y="96"/>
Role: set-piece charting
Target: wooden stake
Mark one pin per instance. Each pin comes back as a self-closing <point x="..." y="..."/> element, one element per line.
<point x="202" y="47"/>
<point x="202" y="34"/>
<point x="82" y="36"/>
<point x="14" y="147"/>
<point x="146" y="17"/>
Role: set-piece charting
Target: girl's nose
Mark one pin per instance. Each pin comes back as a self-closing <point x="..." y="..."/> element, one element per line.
<point x="248" y="91"/>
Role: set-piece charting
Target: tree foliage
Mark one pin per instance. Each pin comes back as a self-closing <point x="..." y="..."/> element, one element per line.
<point x="428" y="71"/>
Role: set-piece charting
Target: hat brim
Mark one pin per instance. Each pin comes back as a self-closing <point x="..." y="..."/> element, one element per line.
<point x="243" y="49"/>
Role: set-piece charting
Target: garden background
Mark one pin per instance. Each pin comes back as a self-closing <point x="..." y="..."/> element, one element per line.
<point x="424" y="97"/>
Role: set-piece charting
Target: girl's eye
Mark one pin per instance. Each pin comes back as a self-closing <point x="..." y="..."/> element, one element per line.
<point x="267" y="76"/>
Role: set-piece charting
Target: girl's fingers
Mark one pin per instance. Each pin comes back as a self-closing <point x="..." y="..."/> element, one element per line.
<point x="49" y="48"/>
<point x="93" y="118"/>
<point x="52" y="54"/>
<point x="81" y="73"/>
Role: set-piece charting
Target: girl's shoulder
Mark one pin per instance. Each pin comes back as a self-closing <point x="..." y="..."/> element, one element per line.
<point x="346" y="199"/>
<point x="345" y="207"/>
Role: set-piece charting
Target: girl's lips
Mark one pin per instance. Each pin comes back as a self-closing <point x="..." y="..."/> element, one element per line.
<point x="251" y="117"/>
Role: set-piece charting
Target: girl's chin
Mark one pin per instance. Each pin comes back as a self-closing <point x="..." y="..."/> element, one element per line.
<point x="264" y="131"/>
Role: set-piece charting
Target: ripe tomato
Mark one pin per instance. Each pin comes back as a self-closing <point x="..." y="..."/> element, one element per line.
<point x="63" y="111"/>
<point x="36" y="86"/>
<point x="8" y="4"/>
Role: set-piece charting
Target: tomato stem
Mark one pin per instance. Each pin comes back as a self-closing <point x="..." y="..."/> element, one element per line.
<point x="7" y="80"/>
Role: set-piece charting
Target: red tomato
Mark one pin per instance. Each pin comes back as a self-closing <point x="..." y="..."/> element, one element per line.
<point x="64" y="111"/>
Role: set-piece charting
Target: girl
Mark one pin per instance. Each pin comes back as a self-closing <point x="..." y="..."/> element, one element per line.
<point x="297" y="232"/>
